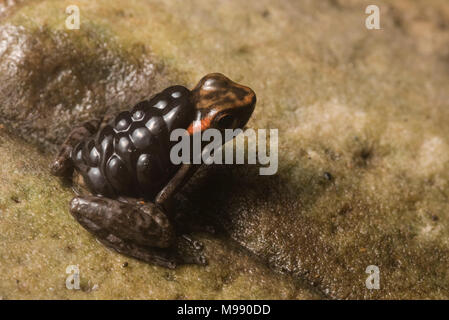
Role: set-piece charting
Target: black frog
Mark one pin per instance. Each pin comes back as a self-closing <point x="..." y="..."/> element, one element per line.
<point x="124" y="164"/>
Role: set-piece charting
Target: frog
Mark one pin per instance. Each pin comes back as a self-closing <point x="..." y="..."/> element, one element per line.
<point x="120" y="169"/>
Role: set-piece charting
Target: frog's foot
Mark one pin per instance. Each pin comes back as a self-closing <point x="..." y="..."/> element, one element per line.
<point x="156" y="256"/>
<point x="141" y="231"/>
<point x="184" y="252"/>
<point x="196" y="244"/>
<point x="190" y="251"/>
<point x="62" y="166"/>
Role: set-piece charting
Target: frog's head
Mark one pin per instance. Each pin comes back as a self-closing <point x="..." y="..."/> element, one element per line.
<point x="222" y="103"/>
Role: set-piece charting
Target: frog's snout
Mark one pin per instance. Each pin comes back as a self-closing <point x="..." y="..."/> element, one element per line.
<point x="216" y="87"/>
<point x="217" y="94"/>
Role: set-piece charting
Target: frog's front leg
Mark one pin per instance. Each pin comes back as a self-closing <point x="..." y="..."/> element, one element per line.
<point x="141" y="231"/>
<point x="165" y="196"/>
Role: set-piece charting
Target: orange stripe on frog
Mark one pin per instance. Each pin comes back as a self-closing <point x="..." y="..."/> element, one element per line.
<point x="205" y="124"/>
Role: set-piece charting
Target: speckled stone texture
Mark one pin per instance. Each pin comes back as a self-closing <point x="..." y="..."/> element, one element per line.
<point x="363" y="145"/>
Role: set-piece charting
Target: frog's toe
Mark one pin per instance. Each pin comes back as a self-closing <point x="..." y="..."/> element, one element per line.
<point x="197" y="257"/>
<point x="201" y="260"/>
<point x="196" y="244"/>
<point x="61" y="167"/>
<point x="190" y="251"/>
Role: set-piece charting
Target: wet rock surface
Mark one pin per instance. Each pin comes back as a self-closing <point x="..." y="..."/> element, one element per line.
<point x="39" y="240"/>
<point x="62" y="79"/>
<point x="363" y="145"/>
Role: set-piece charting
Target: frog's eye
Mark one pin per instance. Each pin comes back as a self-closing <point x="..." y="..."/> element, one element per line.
<point x="225" y="121"/>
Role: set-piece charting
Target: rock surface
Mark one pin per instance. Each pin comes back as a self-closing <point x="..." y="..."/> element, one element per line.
<point x="363" y="145"/>
<point x="39" y="240"/>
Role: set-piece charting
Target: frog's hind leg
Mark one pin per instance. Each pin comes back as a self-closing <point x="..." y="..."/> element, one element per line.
<point x="62" y="166"/>
<point x="141" y="231"/>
